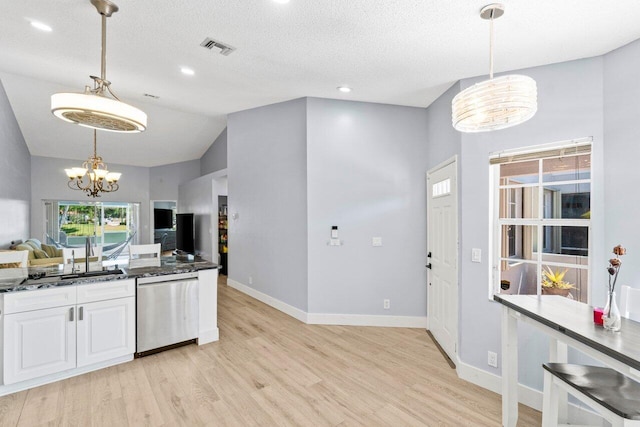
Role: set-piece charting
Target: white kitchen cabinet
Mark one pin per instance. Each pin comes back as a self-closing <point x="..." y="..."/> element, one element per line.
<point x="38" y="343"/>
<point x="49" y="331"/>
<point x="106" y="330"/>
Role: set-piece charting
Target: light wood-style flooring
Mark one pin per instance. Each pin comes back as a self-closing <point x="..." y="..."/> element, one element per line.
<point x="269" y="369"/>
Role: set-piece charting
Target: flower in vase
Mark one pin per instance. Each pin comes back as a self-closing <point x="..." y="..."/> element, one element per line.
<point x="614" y="266"/>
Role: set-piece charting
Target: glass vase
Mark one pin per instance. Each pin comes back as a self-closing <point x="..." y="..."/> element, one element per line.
<point x="611" y="314"/>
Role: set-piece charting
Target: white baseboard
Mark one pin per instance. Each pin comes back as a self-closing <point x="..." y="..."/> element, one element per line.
<point x="526" y="395"/>
<point x="367" y="320"/>
<point x="269" y="300"/>
<point x="330" y="318"/>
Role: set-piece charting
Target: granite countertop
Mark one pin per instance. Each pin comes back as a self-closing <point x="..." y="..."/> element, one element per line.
<point x="49" y="277"/>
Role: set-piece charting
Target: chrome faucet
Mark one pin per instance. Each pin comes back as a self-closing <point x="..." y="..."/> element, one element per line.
<point x="73" y="261"/>
<point x="88" y="250"/>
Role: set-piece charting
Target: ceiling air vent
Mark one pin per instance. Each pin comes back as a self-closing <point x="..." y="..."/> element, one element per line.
<point x="210" y="44"/>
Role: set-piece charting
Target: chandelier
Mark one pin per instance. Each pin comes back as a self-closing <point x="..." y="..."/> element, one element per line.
<point x="495" y="103"/>
<point x="95" y="108"/>
<point x="98" y="178"/>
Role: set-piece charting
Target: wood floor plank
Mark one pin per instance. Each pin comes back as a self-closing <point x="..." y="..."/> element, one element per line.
<point x="11" y="407"/>
<point x="269" y="369"/>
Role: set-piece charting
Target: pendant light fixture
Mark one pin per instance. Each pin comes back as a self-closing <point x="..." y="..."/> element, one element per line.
<point x="98" y="178"/>
<point x="495" y="103"/>
<point x="95" y="108"/>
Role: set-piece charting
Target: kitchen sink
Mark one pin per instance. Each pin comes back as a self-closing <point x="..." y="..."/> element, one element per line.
<point x="89" y="274"/>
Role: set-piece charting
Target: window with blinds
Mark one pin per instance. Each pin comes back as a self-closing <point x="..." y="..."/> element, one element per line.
<point x="542" y="217"/>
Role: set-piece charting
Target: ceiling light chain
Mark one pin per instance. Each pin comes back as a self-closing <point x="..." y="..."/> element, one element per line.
<point x="497" y="103"/>
<point x="99" y="179"/>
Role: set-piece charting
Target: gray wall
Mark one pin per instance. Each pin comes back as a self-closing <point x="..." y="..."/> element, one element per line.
<point x="15" y="175"/>
<point x="366" y="174"/>
<point x="165" y="180"/>
<point x="267" y="181"/>
<point x="622" y="156"/>
<point x="570" y="99"/>
<point x="215" y="158"/>
<point x="443" y="141"/>
<point x="50" y="182"/>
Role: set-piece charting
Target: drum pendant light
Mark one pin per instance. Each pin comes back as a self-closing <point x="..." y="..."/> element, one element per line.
<point x="497" y="103"/>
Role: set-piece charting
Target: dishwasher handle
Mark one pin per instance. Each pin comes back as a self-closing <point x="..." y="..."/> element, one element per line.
<point x="167" y="278"/>
<point x="187" y="282"/>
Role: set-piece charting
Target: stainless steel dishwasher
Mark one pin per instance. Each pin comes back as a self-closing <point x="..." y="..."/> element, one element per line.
<point x="167" y="314"/>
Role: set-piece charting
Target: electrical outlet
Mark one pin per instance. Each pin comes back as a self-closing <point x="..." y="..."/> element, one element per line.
<point x="386" y="304"/>
<point x="376" y="241"/>
<point x="251" y="280"/>
<point x="492" y="359"/>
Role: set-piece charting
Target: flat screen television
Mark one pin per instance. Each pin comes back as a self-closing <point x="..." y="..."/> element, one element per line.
<point x="162" y="218"/>
<point x="185" y="232"/>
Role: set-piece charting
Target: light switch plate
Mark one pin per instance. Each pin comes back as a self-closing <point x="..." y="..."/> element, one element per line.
<point x="476" y="255"/>
<point x="376" y="241"/>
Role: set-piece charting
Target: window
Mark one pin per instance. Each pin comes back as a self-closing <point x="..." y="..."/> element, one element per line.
<point x="542" y="216"/>
<point x="108" y="224"/>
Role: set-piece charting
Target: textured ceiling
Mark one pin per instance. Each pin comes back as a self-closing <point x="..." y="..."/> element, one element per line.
<point x="404" y="52"/>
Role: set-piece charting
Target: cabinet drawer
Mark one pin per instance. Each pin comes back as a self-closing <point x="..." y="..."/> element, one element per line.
<point x="36" y="300"/>
<point x="106" y="290"/>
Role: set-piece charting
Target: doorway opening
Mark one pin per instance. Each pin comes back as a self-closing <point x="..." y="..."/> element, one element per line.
<point x="163" y="217"/>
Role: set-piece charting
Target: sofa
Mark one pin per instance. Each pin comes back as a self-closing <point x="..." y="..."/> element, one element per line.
<point x="39" y="254"/>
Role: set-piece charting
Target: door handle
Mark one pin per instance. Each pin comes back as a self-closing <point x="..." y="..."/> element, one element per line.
<point x="429" y="266"/>
<point x="81" y="313"/>
<point x="71" y="314"/>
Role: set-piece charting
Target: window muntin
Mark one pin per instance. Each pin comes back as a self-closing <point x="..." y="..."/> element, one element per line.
<point x="441" y="188"/>
<point x="546" y="200"/>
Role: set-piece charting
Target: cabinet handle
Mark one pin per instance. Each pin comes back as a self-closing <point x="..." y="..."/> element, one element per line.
<point x="71" y="314"/>
<point x="81" y="313"/>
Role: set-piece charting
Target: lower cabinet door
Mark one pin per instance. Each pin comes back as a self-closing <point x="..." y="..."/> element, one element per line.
<point x="106" y="330"/>
<point x="39" y="342"/>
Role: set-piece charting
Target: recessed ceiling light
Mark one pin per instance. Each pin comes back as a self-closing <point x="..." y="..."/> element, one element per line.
<point x="344" y="89"/>
<point x="281" y="1"/>
<point x="187" y="71"/>
<point x="41" y="26"/>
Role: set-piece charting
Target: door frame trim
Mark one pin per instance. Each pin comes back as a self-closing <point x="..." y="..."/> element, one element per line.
<point x="453" y="159"/>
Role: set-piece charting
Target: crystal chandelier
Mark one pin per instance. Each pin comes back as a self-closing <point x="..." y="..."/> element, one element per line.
<point x="95" y="108"/>
<point x="495" y="103"/>
<point x="98" y="178"/>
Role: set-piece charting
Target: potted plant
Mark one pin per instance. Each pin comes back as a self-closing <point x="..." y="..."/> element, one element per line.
<point x="553" y="282"/>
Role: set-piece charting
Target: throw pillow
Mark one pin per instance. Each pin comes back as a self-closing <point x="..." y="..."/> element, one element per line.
<point x="39" y="253"/>
<point x="50" y="250"/>
<point x="25" y="247"/>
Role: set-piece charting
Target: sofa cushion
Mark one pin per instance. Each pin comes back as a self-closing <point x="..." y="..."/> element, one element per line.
<point x="33" y="245"/>
<point x="51" y="250"/>
<point x="26" y="247"/>
<point x="37" y="242"/>
<point x="39" y="253"/>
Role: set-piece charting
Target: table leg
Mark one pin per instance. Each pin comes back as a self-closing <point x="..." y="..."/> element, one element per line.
<point x="558" y="352"/>
<point x="509" y="367"/>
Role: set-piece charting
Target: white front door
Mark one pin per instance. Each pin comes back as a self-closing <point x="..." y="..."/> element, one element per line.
<point x="442" y="246"/>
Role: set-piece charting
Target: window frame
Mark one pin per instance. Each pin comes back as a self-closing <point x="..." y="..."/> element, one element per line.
<point x="540" y="222"/>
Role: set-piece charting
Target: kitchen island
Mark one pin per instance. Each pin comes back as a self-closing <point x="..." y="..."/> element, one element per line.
<point x="56" y="324"/>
